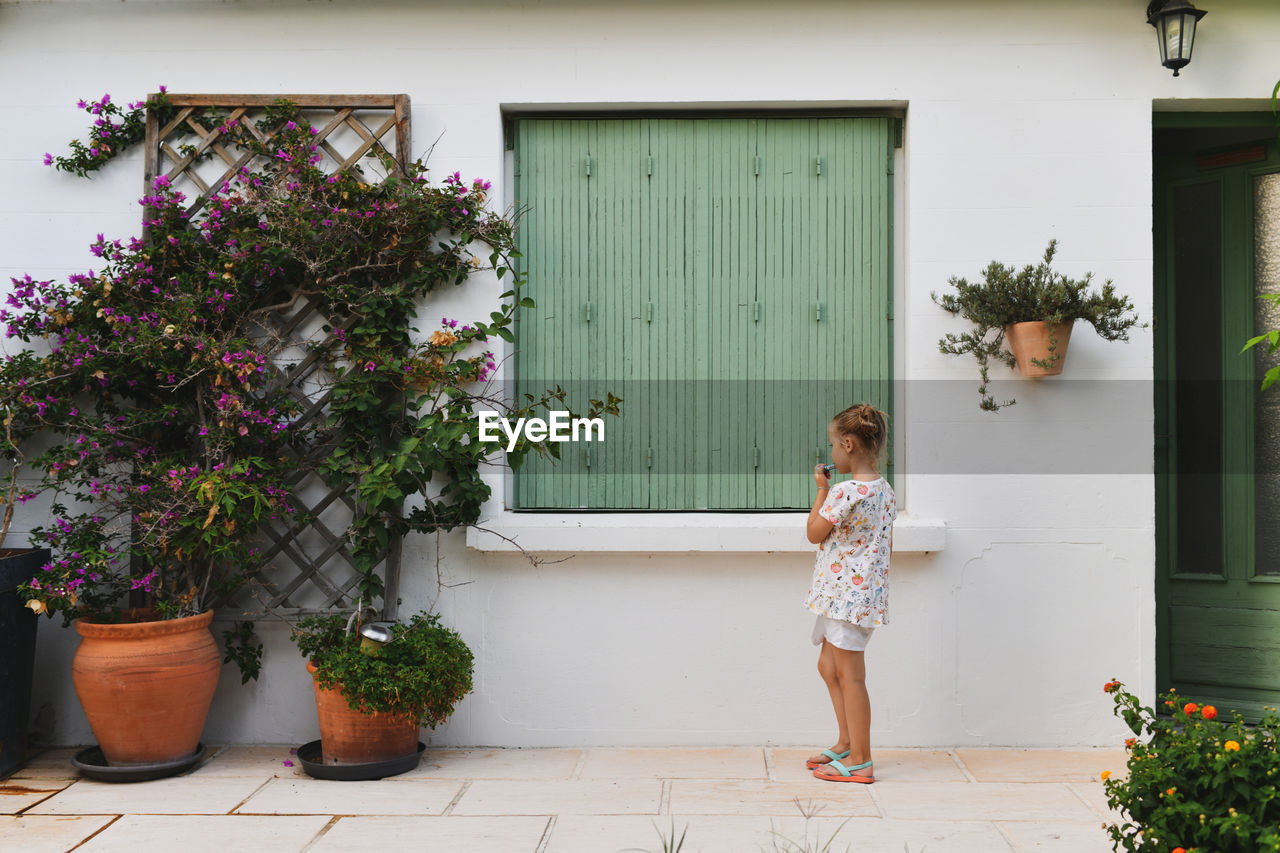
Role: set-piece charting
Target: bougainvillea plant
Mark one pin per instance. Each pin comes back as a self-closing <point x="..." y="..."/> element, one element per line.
<point x="152" y="384"/>
<point x="1194" y="782"/>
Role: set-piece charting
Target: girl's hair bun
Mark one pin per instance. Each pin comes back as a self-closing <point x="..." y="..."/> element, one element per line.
<point x="867" y="424"/>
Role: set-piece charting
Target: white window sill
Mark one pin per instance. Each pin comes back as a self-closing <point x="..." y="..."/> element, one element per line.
<point x="677" y="532"/>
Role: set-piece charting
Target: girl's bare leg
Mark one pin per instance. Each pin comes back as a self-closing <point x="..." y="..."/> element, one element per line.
<point x="827" y="669"/>
<point x="851" y="677"/>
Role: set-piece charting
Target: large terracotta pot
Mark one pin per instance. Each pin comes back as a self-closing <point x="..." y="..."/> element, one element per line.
<point x="1031" y="340"/>
<point x="146" y="685"/>
<point x="355" y="737"/>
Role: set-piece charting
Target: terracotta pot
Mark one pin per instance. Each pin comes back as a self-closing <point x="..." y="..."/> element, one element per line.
<point x="1031" y="340"/>
<point x="146" y="684"/>
<point x="355" y="737"/>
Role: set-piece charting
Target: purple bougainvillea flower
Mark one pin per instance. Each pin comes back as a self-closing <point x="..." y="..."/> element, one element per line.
<point x="48" y="159"/>
<point x="287" y="762"/>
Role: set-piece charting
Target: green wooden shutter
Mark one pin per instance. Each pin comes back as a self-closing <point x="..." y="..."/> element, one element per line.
<point x="824" y="251"/>
<point x="618" y="359"/>
<point x="739" y="273"/>
<point x="552" y="180"/>
<point x="676" y="251"/>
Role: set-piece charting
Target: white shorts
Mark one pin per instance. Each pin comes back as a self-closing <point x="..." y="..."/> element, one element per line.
<point x="841" y="634"/>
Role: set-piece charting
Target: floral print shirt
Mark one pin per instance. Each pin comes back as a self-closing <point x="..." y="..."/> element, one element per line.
<point x="851" y="573"/>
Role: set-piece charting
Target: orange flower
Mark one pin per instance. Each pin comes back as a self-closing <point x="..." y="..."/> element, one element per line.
<point x="1190" y="707"/>
<point x="1106" y="774"/>
<point x="1110" y="686"/>
<point x="1208" y="712"/>
<point x="1129" y="742"/>
<point x="1179" y="850"/>
<point x="442" y="338"/>
<point x="1170" y="791"/>
<point x="1231" y="746"/>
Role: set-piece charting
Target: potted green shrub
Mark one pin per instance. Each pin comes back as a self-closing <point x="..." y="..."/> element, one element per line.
<point x="1033" y="309"/>
<point x="372" y="696"/>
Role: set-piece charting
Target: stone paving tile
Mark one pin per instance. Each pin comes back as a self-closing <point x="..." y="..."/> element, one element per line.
<point x="47" y="834"/>
<point x="1057" y="837"/>
<point x="724" y="834"/>
<point x="594" y="797"/>
<point x="1041" y="765"/>
<point x="496" y="764"/>
<point x="1096" y="796"/>
<point x="901" y="765"/>
<point x="752" y="797"/>
<point x="205" y="834"/>
<point x="375" y="797"/>
<point x="194" y="795"/>
<point x="261" y="761"/>
<point x="981" y="801"/>
<point x="434" y="834"/>
<point x="675" y="763"/>
<point x="50" y="764"/>
<point x="19" y="794"/>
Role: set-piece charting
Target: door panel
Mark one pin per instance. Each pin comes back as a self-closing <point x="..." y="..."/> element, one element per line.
<point x="1217" y="244"/>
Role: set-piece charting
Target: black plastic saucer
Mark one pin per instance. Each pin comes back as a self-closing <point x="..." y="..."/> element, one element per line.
<point x="313" y="763"/>
<point x="93" y="764"/>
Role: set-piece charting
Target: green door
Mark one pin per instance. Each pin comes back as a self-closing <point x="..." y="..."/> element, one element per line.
<point x="1217" y="247"/>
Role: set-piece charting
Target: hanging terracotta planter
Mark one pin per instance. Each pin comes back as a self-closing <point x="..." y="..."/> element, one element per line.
<point x="146" y="685"/>
<point x="355" y="737"/>
<point x="1032" y="340"/>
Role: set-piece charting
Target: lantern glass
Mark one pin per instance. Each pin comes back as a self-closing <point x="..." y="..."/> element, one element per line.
<point x="1179" y="31"/>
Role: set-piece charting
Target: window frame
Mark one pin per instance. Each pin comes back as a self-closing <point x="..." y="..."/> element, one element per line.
<point x="895" y="296"/>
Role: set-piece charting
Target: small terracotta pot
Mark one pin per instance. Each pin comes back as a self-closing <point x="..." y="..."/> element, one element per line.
<point x="1031" y="340"/>
<point x="355" y="737"/>
<point x="146" y="684"/>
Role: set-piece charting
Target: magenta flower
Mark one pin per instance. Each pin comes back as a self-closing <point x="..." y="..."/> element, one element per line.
<point x="287" y="762"/>
<point x="48" y="159"/>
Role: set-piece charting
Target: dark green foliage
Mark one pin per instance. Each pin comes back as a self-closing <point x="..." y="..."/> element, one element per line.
<point x="242" y="647"/>
<point x="1034" y="293"/>
<point x="422" y="673"/>
<point x="1272" y="375"/>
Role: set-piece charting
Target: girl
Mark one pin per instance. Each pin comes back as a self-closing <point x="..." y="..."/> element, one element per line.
<point x="854" y="524"/>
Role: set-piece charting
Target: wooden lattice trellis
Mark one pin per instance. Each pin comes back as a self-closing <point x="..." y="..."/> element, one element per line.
<point x="304" y="566"/>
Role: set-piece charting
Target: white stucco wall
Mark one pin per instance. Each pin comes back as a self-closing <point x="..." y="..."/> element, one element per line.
<point x="1024" y="121"/>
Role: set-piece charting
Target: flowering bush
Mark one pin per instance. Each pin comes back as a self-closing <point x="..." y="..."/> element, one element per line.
<point x="1195" y="783"/>
<point x="154" y="378"/>
<point x="108" y="138"/>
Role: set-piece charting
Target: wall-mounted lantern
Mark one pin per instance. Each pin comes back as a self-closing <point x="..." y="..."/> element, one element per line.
<point x="1175" y="23"/>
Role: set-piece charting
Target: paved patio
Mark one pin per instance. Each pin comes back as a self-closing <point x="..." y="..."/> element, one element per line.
<point x="245" y="798"/>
